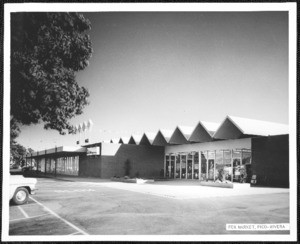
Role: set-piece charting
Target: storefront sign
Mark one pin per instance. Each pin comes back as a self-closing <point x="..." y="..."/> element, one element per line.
<point x="93" y="151"/>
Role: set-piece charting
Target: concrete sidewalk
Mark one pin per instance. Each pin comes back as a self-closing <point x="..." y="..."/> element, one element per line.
<point x="79" y="179"/>
<point x="175" y="189"/>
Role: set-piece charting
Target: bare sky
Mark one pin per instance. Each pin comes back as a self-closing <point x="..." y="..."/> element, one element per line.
<point x="158" y="70"/>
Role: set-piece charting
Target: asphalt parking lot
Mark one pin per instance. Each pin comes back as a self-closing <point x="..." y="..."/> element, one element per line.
<point x="102" y="207"/>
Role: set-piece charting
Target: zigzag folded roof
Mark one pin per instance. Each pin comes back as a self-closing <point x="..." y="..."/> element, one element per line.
<point x="181" y="135"/>
<point x="166" y="133"/>
<point x="235" y="127"/>
<point x="211" y="127"/>
<point x="115" y="140"/>
<point x="124" y="140"/>
<point x="147" y="138"/>
<point x="162" y="137"/>
<point x="135" y="139"/>
<point x="231" y="128"/>
<point x="203" y="132"/>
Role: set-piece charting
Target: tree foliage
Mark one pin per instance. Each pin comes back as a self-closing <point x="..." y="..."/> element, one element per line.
<point x="47" y="49"/>
<point x="17" y="153"/>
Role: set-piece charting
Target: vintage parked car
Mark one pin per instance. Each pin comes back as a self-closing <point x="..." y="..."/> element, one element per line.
<point x="20" y="188"/>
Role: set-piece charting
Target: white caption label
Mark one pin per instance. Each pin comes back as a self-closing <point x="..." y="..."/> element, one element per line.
<point x="257" y="227"/>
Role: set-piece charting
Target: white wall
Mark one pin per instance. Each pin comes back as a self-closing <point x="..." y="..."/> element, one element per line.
<point x="109" y="149"/>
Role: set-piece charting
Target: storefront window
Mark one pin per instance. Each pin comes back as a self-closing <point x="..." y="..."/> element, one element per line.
<point x="223" y="165"/>
<point x="189" y="166"/>
<point x="167" y="169"/>
<point x="41" y="165"/>
<point x="219" y="173"/>
<point x="172" y="157"/>
<point x="242" y="165"/>
<point x="227" y="157"/>
<point x="227" y="165"/>
<point x="219" y="157"/>
<point x="223" y="170"/>
<point x="236" y="154"/>
<point x="183" y="166"/>
<point x="228" y="172"/>
<point x="211" y="154"/>
<point x="246" y="157"/>
<point x="52" y="166"/>
<point x="236" y="162"/>
<point x="59" y="166"/>
<point x="203" y="166"/>
<point x="177" y="166"/>
<point x="67" y="165"/>
<point x="196" y="165"/>
<point x="31" y="162"/>
<point x="48" y="165"/>
<point x="211" y="165"/>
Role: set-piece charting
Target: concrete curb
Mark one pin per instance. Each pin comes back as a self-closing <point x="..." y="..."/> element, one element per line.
<point x="137" y="181"/>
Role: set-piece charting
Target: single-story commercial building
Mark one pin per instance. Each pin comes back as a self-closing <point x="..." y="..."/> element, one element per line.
<point x="236" y="150"/>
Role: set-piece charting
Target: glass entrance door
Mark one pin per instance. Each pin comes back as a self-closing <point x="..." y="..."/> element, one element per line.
<point x="189" y="166"/>
<point x="236" y="169"/>
<point x="177" y="170"/>
<point x="204" y="166"/>
<point x="167" y="169"/>
<point x="196" y="165"/>
<point x="183" y="166"/>
<point x="172" y="157"/>
<point x="211" y="165"/>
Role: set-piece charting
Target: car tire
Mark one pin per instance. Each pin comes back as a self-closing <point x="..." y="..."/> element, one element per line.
<point x="21" y="196"/>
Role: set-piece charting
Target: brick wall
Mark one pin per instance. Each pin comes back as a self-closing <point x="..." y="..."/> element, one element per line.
<point x="146" y="161"/>
<point x="90" y="166"/>
<point x="270" y="160"/>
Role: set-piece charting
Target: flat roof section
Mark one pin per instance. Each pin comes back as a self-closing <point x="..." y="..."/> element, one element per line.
<point x="63" y="150"/>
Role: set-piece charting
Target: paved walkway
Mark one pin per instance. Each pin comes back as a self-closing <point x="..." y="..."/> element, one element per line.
<point x="173" y="189"/>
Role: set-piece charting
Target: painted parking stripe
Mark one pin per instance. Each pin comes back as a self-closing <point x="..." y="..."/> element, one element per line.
<point x="62" y="219"/>
<point x="23" y="212"/>
<point x="29" y="217"/>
